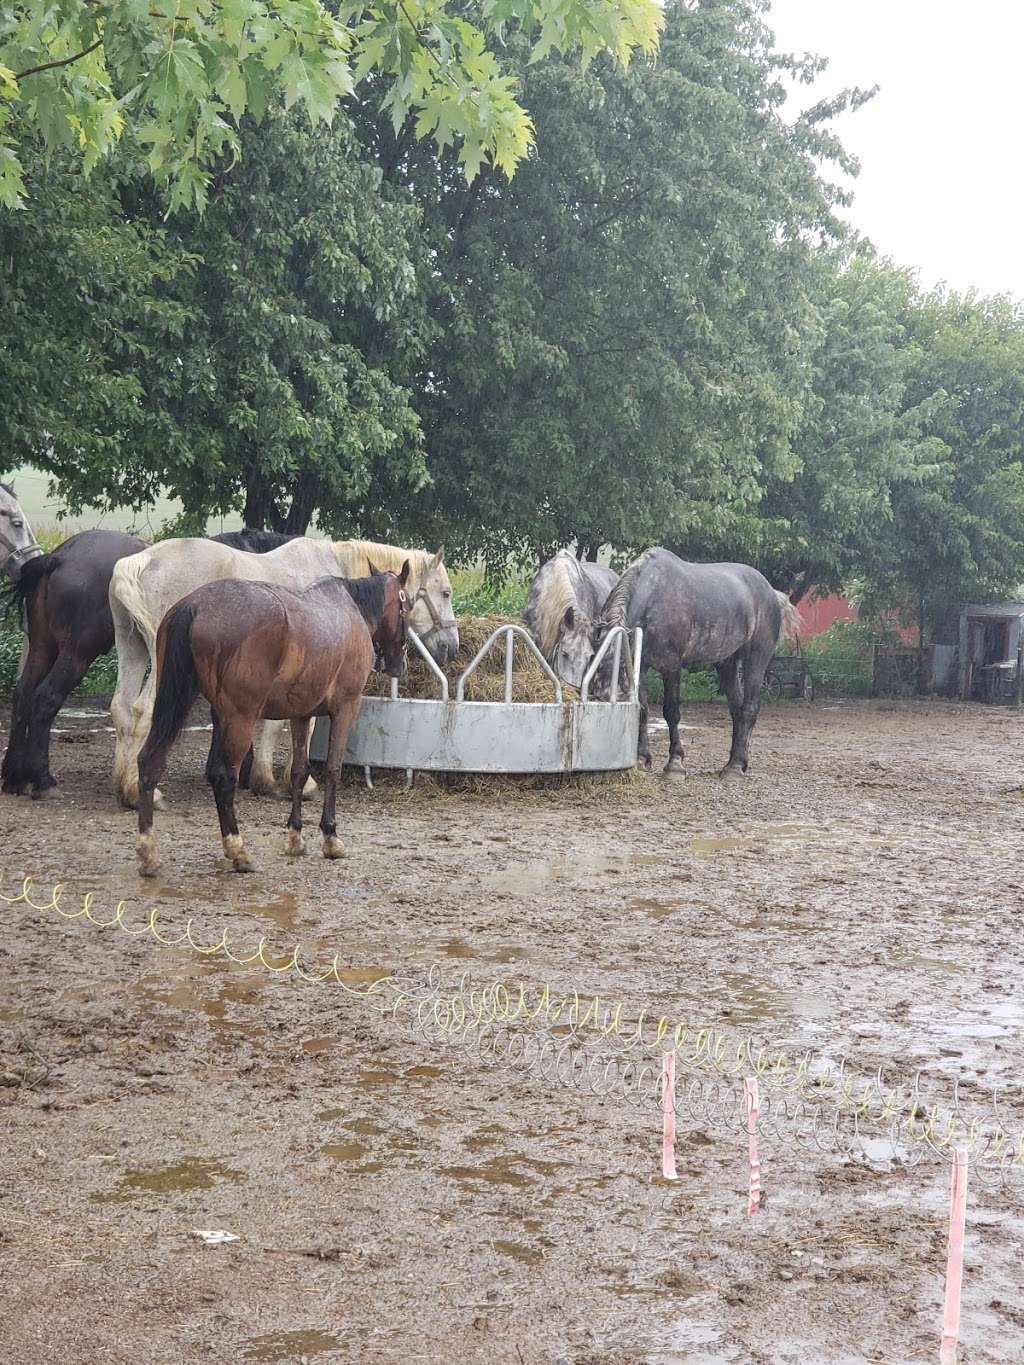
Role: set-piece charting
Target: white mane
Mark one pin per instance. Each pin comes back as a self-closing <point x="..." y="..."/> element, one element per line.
<point x="559" y="593"/>
<point x="354" y="557"/>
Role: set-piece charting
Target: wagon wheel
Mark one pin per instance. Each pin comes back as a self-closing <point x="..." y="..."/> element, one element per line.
<point x="771" y="688"/>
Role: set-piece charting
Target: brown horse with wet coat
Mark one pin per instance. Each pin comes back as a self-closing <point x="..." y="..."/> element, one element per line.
<point x="260" y="651"/>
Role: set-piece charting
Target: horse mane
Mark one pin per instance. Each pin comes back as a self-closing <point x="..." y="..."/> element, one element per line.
<point x="559" y="594"/>
<point x="8" y="488"/>
<point x="255" y="541"/>
<point x="355" y="556"/>
<point x="616" y="605"/>
<point x="366" y="593"/>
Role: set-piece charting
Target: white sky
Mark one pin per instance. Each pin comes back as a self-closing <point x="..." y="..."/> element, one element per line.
<point x="940" y="145"/>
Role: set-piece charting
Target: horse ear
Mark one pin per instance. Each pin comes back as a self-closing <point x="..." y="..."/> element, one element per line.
<point x="569" y="619"/>
<point x="403" y="577"/>
<point x="374" y="571"/>
<point x="438" y="559"/>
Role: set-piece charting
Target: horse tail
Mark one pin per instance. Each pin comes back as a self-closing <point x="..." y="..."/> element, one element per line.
<point x="789" y="626"/>
<point x="127" y="592"/>
<point x="17" y="596"/>
<point x="177" y="681"/>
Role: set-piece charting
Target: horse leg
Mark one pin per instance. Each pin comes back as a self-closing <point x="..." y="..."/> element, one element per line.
<point x="341" y="721"/>
<point x="151" y="764"/>
<point x="643" y="744"/>
<point x="670" y="710"/>
<point x="731" y="684"/>
<point x="48" y="698"/>
<point x="232" y="737"/>
<point x="294" y="842"/>
<point x="310" y="789"/>
<point x="261" y="778"/>
<point x="744" y="704"/>
<point x="19" y="770"/>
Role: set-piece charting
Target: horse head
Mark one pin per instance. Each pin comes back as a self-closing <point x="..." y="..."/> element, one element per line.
<point x="433" y="617"/>
<point x="392" y="630"/>
<point x="17" y="543"/>
<point x="575" y="647"/>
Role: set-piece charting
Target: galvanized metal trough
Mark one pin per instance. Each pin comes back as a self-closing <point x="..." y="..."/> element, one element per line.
<point x="460" y="736"/>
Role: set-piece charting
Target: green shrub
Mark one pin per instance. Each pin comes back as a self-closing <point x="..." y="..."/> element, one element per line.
<point x="475" y="596"/>
<point x="694" y="685"/>
<point x="842" y="659"/>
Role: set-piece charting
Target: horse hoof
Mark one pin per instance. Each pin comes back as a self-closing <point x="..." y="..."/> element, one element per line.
<point x="234" y="851"/>
<point x="262" y="785"/>
<point x="149" y="863"/>
<point x="674" y="767"/>
<point x="294" y="843"/>
<point x="732" y="770"/>
<point x="333" y="847"/>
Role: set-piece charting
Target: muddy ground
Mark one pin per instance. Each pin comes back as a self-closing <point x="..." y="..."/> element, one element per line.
<point x="858" y="893"/>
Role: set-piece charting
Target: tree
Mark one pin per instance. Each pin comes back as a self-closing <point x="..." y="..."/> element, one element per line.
<point x="957" y="534"/>
<point x="92" y="326"/>
<point x="855" y="441"/>
<point x="275" y="395"/>
<point x="181" y="75"/>
<point x="626" y="325"/>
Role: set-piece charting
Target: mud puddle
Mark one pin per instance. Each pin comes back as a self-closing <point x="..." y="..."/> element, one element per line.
<point x="183" y="1177"/>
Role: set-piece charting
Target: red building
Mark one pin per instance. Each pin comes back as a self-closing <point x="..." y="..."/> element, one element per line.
<point x="818" y="613"/>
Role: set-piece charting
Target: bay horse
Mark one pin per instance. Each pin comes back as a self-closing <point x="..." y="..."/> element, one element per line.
<point x="262" y="650"/>
<point x="62" y="599"/>
<point x="562" y="604"/>
<point x="145" y="587"/>
<point x="693" y="615"/>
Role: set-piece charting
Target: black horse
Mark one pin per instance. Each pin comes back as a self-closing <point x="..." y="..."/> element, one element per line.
<point x="62" y="599"/>
<point x="693" y="615"/>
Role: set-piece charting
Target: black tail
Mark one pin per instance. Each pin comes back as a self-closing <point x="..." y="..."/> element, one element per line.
<point x="179" y="683"/>
<point x="16" y="597"/>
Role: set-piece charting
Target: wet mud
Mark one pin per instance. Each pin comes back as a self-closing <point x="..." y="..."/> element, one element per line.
<point x="400" y="1200"/>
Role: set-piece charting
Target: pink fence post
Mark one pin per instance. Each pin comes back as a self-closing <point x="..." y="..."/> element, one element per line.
<point x="752" y="1101"/>
<point x="668" y="1114"/>
<point x="955" y="1260"/>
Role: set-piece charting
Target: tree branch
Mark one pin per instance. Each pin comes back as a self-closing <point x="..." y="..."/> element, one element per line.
<point x="64" y="61"/>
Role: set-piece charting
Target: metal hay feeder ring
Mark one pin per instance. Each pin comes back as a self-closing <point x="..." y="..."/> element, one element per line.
<point x="460" y="736"/>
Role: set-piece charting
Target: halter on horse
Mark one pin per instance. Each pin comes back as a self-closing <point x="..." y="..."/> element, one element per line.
<point x="16" y="536"/>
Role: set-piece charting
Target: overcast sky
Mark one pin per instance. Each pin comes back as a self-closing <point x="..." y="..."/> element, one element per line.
<point x="940" y="145"/>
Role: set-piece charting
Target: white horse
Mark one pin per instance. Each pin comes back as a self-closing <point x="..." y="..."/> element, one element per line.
<point x="562" y="605"/>
<point x="145" y="586"/>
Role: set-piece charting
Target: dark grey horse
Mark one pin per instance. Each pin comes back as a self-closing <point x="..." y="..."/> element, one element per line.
<point x="562" y="605"/>
<point x="693" y="615"/>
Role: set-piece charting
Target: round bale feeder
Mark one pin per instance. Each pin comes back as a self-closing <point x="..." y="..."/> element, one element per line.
<point x="454" y="734"/>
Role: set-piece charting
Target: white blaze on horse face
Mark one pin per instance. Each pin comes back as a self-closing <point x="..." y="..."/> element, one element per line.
<point x="434" y="620"/>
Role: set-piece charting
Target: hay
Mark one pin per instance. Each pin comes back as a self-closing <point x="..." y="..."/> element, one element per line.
<point x="588" y="788"/>
<point x="529" y="681"/>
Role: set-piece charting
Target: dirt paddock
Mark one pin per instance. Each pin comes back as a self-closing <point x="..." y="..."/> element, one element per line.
<point x="396" y="1200"/>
